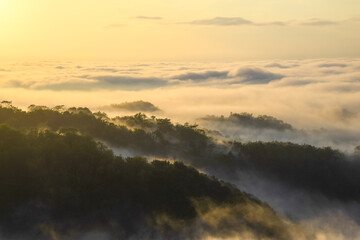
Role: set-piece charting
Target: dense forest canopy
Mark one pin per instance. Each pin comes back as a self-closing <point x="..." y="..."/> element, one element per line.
<point x="71" y="182"/>
<point x="100" y="126"/>
<point x="322" y="170"/>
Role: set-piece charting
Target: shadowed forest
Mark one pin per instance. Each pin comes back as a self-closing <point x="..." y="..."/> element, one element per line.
<point x="61" y="178"/>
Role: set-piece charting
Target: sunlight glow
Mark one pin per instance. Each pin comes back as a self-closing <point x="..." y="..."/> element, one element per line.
<point x="4" y="9"/>
<point x="3" y="4"/>
<point x="121" y="30"/>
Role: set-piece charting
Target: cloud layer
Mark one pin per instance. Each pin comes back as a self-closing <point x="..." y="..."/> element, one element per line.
<point x="148" y="18"/>
<point x="238" y="21"/>
<point x="320" y="96"/>
<point x="222" y="21"/>
<point x="121" y="80"/>
<point x="197" y="76"/>
<point x="256" y="76"/>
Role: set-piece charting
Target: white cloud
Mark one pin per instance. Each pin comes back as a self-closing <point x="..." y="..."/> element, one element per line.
<point x="303" y="93"/>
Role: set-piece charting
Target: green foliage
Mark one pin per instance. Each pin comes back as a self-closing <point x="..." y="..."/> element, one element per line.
<point x="73" y="173"/>
<point x="314" y="169"/>
<point x="320" y="170"/>
<point x="71" y="182"/>
<point x="150" y="135"/>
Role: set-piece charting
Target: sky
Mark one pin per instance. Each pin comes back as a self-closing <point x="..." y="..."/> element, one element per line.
<point x="188" y="30"/>
<point x="296" y="60"/>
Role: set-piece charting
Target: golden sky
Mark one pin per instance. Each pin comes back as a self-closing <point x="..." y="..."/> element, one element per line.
<point x="156" y="30"/>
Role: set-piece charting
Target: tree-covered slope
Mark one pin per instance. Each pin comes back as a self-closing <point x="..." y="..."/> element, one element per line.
<point x="71" y="184"/>
<point x="163" y="138"/>
<point x="317" y="170"/>
<point x="247" y="120"/>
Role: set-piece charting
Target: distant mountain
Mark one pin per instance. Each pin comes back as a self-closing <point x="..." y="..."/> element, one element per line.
<point x="248" y="120"/>
<point x="137" y="106"/>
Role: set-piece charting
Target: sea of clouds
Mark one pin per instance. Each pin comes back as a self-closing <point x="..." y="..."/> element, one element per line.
<point x="318" y="97"/>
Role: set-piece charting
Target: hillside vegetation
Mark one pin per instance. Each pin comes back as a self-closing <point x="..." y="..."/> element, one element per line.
<point x="72" y="184"/>
<point x="321" y="170"/>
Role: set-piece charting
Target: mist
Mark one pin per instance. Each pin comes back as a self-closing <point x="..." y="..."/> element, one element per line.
<point x="284" y="132"/>
<point x="246" y="127"/>
<point x="312" y="94"/>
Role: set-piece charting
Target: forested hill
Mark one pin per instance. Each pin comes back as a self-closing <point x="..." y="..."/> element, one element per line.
<point x="162" y="138"/>
<point x="315" y="170"/>
<point x="247" y="120"/>
<point x="63" y="185"/>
